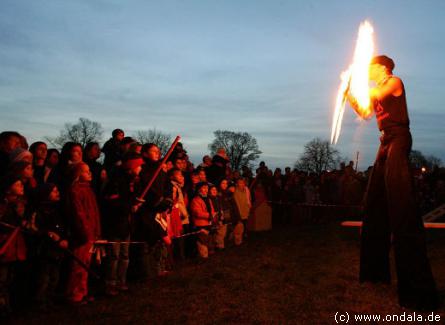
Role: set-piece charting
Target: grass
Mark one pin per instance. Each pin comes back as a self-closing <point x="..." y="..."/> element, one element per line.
<point x="300" y="275"/>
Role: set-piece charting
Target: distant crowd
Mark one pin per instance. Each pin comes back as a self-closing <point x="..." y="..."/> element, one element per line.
<point x="62" y="210"/>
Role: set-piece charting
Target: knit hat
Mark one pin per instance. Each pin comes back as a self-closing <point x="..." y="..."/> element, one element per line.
<point x="384" y="60"/>
<point x="20" y="154"/>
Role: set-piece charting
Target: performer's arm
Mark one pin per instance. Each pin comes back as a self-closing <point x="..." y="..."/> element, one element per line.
<point x="363" y="113"/>
<point x="393" y="87"/>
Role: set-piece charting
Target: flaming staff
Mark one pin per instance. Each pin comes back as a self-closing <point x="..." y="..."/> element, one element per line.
<point x="355" y="80"/>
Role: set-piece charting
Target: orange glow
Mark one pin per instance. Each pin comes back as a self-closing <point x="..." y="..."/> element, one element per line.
<point x="355" y="80"/>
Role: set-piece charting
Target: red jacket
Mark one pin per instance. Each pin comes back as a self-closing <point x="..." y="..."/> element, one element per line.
<point x="84" y="214"/>
<point x="200" y="214"/>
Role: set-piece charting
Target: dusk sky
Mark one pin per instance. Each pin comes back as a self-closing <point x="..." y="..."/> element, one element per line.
<point x="270" y="68"/>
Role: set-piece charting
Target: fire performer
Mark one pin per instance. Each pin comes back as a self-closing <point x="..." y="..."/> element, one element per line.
<point x="389" y="201"/>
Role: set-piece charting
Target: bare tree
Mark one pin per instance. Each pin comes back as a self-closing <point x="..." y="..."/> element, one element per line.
<point x="418" y="160"/>
<point x="161" y="139"/>
<point x="82" y="132"/>
<point x="318" y="156"/>
<point x="433" y="162"/>
<point x="241" y="147"/>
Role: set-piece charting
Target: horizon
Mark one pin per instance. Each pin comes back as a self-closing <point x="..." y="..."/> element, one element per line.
<point x="266" y="68"/>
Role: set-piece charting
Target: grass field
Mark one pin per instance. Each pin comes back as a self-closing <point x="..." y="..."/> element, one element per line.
<point x="300" y="275"/>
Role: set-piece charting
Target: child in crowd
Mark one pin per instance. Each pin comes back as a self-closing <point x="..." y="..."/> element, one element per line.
<point x="52" y="239"/>
<point x="180" y="203"/>
<point x="156" y="235"/>
<point x="84" y="220"/>
<point x="219" y="222"/>
<point x="202" y="213"/>
<point x="243" y="202"/>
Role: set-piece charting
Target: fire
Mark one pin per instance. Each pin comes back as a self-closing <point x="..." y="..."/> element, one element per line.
<point x="355" y="79"/>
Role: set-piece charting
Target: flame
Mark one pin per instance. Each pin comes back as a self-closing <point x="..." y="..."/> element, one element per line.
<point x="355" y="79"/>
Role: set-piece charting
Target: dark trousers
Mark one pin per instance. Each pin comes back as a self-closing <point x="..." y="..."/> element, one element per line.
<point x="47" y="280"/>
<point x="390" y="209"/>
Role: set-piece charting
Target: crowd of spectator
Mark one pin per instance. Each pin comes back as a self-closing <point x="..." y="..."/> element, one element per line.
<point x="61" y="210"/>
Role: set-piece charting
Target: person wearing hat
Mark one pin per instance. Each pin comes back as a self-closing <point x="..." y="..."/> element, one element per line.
<point x="390" y="208"/>
<point x="119" y="198"/>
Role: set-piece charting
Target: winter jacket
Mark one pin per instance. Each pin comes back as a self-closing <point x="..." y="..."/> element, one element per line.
<point x="229" y="207"/>
<point x="49" y="219"/>
<point x="200" y="214"/>
<point x="119" y="196"/>
<point x="83" y="212"/>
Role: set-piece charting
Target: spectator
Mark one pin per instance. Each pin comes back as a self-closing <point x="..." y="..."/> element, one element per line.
<point x="120" y="198"/>
<point x="9" y="141"/>
<point x="217" y="171"/>
<point x="52" y="172"/>
<point x="243" y="202"/>
<point x="84" y="218"/>
<point x="218" y="220"/>
<point x="90" y="155"/>
<point x="51" y="236"/>
<point x="111" y="149"/>
<point x="202" y="213"/>
<point x="13" y="247"/>
<point x="39" y="151"/>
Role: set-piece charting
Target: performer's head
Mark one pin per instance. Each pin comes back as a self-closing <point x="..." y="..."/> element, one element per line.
<point x="381" y="66"/>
